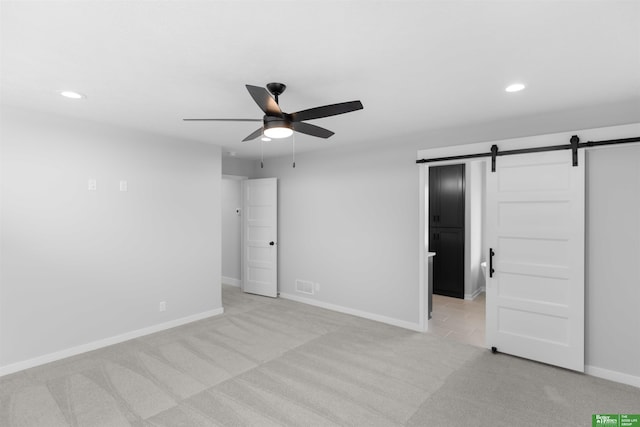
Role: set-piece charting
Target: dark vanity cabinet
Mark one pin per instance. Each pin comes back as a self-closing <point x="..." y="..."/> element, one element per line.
<point x="446" y="228"/>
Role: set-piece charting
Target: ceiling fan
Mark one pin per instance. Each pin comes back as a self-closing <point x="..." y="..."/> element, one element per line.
<point x="278" y="124"/>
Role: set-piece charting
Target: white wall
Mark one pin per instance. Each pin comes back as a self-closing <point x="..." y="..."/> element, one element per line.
<point x="239" y="167"/>
<point x="613" y="260"/>
<point x="348" y="220"/>
<point x="231" y="230"/>
<point x="81" y="268"/>
<point x="474" y="280"/>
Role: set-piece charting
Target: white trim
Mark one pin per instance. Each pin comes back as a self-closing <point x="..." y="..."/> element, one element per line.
<point x="231" y="281"/>
<point x="619" y="377"/>
<point x="83" y="348"/>
<point x="423" y="277"/>
<point x="366" y="315"/>
<point x="235" y="177"/>
<point x="471" y="297"/>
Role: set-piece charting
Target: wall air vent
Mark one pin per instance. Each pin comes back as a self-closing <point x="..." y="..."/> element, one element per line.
<point x="304" y="286"/>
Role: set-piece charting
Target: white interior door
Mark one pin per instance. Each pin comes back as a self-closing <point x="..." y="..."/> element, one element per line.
<point x="535" y="226"/>
<point x="260" y="237"/>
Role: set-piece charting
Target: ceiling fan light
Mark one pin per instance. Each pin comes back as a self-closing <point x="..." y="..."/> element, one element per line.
<point x="278" y="132"/>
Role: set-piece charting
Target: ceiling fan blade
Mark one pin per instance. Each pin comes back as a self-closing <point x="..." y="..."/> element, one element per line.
<point x="222" y="120"/>
<point x="253" y="135"/>
<point x="326" y="111"/>
<point x="312" y="130"/>
<point x="265" y="101"/>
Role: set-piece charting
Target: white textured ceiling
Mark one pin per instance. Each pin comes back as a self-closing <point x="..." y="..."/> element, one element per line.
<point x="415" y="65"/>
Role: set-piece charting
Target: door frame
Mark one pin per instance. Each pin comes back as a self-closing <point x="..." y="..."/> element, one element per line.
<point x="240" y="178"/>
<point x="424" y="229"/>
<point x="467" y="277"/>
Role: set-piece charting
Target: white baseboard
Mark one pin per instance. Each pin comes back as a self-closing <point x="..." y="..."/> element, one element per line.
<point x="471" y="297"/>
<point x="83" y="348"/>
<point x="378" y="318"/>
<point x="618" y="377"/>
<point x="231" y="281"/>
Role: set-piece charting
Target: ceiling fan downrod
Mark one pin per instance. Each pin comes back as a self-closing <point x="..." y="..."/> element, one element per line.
<point x="276" y="90"/>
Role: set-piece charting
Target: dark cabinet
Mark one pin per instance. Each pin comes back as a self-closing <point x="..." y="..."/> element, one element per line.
<point x="448" y="264"/>
<point x="446" y="228"/>
<point x="446" y="196"/>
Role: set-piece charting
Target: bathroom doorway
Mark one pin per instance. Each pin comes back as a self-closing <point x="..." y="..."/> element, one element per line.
<point x="461" y="316"/>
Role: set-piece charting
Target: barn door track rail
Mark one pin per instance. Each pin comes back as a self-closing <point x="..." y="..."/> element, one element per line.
<point x="574" y="145"/>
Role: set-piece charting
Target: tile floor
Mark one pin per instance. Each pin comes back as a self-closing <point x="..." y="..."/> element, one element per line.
<point x="459" y="319"/>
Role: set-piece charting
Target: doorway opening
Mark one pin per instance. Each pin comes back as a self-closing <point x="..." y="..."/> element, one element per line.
<point x="458" y="302"/>
<point x="232" y="266"/>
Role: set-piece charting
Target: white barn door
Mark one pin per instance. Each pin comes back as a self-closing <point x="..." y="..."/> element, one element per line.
<point x="260" y="237"/>
<point x="535" y="227"/>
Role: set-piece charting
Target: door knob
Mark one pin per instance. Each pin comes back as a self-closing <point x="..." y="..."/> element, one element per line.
<point x="272" y="243"/>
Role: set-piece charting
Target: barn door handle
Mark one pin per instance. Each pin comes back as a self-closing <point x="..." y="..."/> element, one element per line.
<point x="491" y="254"/>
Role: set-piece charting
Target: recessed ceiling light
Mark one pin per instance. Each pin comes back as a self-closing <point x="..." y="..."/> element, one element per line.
<point x="71" y="94"/>
<point x="516" y="87"/>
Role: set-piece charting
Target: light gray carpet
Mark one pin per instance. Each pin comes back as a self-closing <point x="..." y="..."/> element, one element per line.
<point x="272" y="362"/>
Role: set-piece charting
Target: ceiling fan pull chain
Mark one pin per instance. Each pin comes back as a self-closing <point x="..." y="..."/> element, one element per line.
<point x="261" y="154"/>
<point x="293" y="139"/>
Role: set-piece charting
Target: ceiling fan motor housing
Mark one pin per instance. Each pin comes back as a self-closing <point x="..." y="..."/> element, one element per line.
<point x="276" y="122"/>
